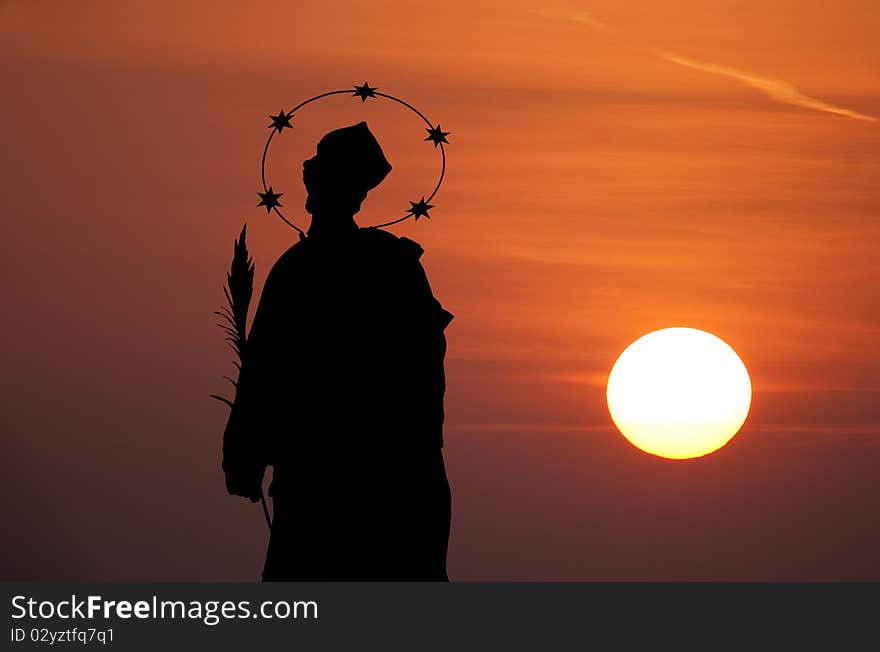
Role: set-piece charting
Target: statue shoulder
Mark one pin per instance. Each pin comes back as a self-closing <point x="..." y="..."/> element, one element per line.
<point x="401" y="258"/>
<point x="289" y="262"/>
<point x="294" y="255"/>
<point x="391" y="244"/>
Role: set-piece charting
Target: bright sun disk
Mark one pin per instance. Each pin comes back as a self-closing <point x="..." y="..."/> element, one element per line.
<point x="679" y="393"/>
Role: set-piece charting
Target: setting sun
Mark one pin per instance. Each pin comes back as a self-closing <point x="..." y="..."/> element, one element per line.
<point x="679" y="393"/>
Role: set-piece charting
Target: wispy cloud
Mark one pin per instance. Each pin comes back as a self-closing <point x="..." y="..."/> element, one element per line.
<point x="776" y="89"/>
<point x="574" y="15"/>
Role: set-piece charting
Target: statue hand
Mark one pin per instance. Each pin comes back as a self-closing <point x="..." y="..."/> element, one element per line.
<point x="245" y="482"/>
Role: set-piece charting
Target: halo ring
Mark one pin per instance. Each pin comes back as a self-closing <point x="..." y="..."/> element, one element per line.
<point x="373" y="93"/>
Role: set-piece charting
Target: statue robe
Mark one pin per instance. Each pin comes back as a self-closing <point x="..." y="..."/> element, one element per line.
<point x="341" y="390"/>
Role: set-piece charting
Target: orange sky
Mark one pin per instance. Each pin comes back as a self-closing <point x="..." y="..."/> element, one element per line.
<point x="598" y="188"/>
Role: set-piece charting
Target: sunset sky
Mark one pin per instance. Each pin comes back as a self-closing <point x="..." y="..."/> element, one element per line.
<point x="614" y="168"/>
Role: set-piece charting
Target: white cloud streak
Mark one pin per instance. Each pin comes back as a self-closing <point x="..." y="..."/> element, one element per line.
<point x="776" y="89"/>
<point x="574" y="15"/>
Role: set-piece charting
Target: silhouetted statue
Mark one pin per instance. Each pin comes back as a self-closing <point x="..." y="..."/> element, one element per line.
<point x="341" y="390"/>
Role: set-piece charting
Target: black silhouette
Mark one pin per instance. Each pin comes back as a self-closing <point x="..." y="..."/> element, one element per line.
<point x="341" y="390"/>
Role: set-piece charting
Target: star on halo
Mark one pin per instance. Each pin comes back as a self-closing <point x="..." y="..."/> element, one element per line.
<point x="364" y="92"/>
<point x="420" y="209"/>
<point x="269" y="199"/>
<point x="281" y="121"/>
<point x="437" y="136"/>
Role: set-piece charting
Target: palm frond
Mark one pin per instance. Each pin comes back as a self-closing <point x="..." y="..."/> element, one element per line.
<point x="227" y="316"/>
<point x="223" y="400"/>
<point x="239" y="290"/>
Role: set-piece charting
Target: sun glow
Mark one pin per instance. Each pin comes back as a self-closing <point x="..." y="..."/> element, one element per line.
<point x="679" y="393"/>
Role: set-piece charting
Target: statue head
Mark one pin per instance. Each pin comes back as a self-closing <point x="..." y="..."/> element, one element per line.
<point x="348" y="164"/>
